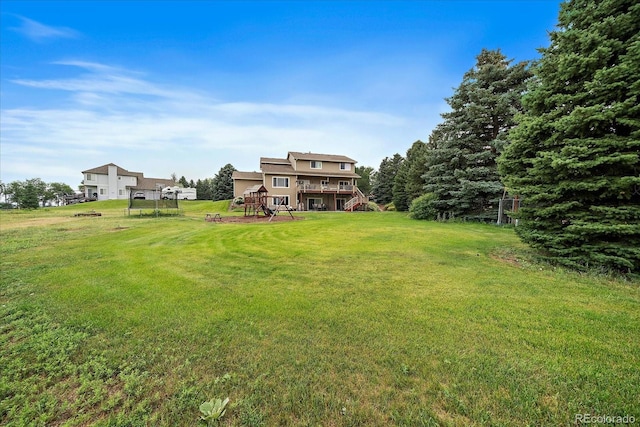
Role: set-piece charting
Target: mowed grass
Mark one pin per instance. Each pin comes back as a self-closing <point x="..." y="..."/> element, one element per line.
<point x="335" y="320"/>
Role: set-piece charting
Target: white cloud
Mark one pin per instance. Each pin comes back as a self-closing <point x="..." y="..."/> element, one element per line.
<point x="39" y="32"/>
<point x="100" y="79"/>
<point x="115" y="115"/>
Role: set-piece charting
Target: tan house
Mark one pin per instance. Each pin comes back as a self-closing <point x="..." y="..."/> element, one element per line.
<point x="110" y="181"/>
<point x="305" y="181"/>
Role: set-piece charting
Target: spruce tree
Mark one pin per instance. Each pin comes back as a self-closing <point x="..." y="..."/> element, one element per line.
<point x="575" y="155"/>
<point x="408" y="183"/>
<point x="440" y="180"/>
<point x="183" y="181"/>
<point x="384" y="178"/>
<point x="364" y="182"/>
<point x="400" y="198"/>
<point x="223" y="183"/>
<point x="462" y="171"/>
<point x="416" y="167"/>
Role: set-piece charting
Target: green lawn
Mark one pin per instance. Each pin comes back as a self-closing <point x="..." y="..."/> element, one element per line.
<point x="339" y="319"/>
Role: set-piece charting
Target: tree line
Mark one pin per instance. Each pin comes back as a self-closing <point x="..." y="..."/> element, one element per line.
<point x="561" y="134"/>
<point x="34" y="193"/>
<point x="220" y="187"/>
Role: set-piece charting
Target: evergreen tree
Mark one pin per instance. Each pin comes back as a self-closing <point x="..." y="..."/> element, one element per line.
<point x="364" y="182"/>
<point x="409" y="183"/>
<point x="575" y="155"/>
<point x="384" y="178"/>
<point x="462" y="171"/>
<point x="204" y="188"/>
<point x="440" y="180"/>
<point x="183" y="181"/>
<point x="223" y="183"/>
<point x="416" y="167"/>
<point x="400" y="198"/>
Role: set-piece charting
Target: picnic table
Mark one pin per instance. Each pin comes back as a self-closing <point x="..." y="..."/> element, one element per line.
<point x="213" y="217"/>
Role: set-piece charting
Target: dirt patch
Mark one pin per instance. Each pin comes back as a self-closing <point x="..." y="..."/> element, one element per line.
<point x="507" y="258"/>
<point x="260" y="219"/>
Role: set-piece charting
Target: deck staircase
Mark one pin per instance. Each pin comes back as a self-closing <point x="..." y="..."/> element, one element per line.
<point x="358" y="200"/>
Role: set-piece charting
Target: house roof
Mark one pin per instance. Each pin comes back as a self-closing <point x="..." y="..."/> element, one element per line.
<point x="320" y="157"/>
<point x="274" y="161"/>
<point x="150" y="183"/>
<point x="104" y="170"/>
<point x="258" y="188"/>
<point x="278" y="166"/>
<point x="251" y="176"/>
<point x="142" y="182"/>
<point x="278" y="169"/>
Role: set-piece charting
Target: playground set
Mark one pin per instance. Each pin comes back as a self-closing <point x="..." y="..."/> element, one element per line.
<point x="255" y="203"/>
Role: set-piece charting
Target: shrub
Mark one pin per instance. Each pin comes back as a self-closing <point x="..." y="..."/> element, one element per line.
<point x="372" y="206"/>
<point x="422" y="207"/>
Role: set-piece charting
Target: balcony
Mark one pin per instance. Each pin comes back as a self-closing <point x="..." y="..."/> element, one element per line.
<point x="327" y="189"/>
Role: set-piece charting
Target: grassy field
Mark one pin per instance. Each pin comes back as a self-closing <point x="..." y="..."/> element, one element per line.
<point x="339" y="319"/>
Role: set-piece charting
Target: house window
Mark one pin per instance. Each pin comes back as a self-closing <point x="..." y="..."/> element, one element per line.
<point x="315" y="204"/>
<point x="345" y="185"/>
<point x="345" y="166"/>
<point x="121" y="192"/>
<point x="88" y="177"/>
<point x="280" y="200"/>
<point x="280" y="182"/>
<point x="102" y="191"/>
<point x="324" y="184"/>
<point x="316" y="165"/>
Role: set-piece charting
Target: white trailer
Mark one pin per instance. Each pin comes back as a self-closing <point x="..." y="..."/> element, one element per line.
<point x="179" y="193"/>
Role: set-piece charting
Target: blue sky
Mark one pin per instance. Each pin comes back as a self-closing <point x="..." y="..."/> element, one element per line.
<point x="186" y="87"/>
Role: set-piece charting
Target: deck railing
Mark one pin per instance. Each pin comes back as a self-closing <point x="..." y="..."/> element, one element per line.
<point x="319" y="188"/>
<point x="358" y="200"/>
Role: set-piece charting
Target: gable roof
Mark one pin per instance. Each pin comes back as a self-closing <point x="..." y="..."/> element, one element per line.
<point x="251" y="176"/>
<point x="104" y="170"/>
<point x="258" y="188"/>
<point x="274" y="161"/>
<point x="142" y="183"/>
<point x="321" y="157"/>
<point x="150" y="183"/>
<point x="279" y="169"/>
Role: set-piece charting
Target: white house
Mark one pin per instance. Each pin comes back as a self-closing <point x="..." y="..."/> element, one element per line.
<point x="110" y="181"/>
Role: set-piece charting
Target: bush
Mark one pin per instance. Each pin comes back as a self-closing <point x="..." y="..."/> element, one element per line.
<point x="372" y="206"/>
<point x="422" y="207"/>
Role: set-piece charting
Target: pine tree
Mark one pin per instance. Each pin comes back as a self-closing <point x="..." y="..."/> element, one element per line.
<point x="408" y="183"/>
<point x="575" y="155"/>
<point x="183" y="181"/>
<point x="384" y="178"/>
<point x="223" y="183"/>
<point x="364" y="182"/>
<point x="399" y="197"/>
<point x="461" y="170"/>
<point x="417" y="167"/>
